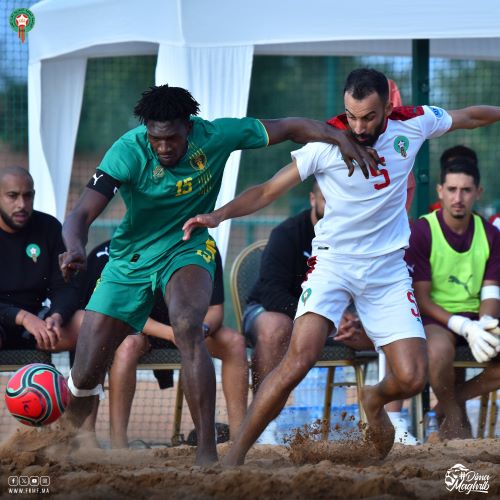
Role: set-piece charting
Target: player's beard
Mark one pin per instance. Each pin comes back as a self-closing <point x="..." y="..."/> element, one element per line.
<point x="9" y="221"/>
<point x="458" y="215"/>
<point x="370" y="139"/>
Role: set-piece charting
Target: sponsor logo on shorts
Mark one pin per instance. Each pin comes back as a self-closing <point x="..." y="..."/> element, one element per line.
<point x="437" y="111"/>
<point x="460" y="478"/>
<point x="401" y="144"/>
<point x="305" y="295"/>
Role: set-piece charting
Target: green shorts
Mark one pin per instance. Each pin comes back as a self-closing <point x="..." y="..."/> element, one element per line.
<point x="131" y="302"/>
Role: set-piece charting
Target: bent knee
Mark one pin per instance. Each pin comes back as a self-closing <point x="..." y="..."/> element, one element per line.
<point x="131" y="349"/>
<point x="274" y="338"/>
<point x="228" y="344"/>
<point x="186" y="325"/>
<point x="237" y="343"/>
<point x="296" y="368"/>
<point x="412" y="382"/>
<point x="85" y="380"/>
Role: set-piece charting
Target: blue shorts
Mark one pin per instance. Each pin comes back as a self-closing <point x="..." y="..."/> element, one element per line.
<point x="250" y="314"/>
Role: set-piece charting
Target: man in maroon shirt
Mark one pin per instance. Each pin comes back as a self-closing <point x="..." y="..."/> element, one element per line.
<point x="454" y="305"/>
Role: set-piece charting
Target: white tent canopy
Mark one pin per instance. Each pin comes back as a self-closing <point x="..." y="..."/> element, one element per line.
<point x="208" y="47"/>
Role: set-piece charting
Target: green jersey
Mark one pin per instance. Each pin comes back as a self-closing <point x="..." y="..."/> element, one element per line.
<point x="457" y="276"/>
<point x="160" y="199"/>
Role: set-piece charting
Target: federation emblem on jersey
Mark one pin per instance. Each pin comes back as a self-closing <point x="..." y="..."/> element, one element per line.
<point x="305" y="295"/>
<point x="401" y="144"/>
<point x="198" y="159"/>
<point x="33" y="252"/>
<point x="158" y="172"/>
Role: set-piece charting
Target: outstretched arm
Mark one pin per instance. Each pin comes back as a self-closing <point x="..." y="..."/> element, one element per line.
<point x="303" y="130"/>
<point x="474" y="117"/>
<point x="76" y="229"/>
<point x="249" y="201"/>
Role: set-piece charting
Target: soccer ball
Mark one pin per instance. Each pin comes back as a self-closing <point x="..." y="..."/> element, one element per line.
<point x="37" y="394"/>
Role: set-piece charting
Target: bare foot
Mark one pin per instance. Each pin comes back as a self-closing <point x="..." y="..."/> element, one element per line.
<point x="379" y="435"/>
<point x="205" y="458"/>
<point x="86" y="440"/>
<point x="455" y="427"/>
<point x="232" y="457"/>
<point x="439" y="410"/>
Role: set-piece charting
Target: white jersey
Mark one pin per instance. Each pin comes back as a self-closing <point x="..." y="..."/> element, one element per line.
<point x="367" y="217"/>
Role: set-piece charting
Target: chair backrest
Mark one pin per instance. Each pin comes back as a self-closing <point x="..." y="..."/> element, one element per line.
<point x="13" y="359"/>
<point x="244" y="275"/>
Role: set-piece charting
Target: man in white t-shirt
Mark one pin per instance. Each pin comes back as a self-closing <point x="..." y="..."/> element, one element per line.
<point x="357" y="252"/>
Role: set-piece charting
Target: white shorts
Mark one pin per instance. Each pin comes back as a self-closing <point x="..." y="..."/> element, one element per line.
<point x="380" y="288"/>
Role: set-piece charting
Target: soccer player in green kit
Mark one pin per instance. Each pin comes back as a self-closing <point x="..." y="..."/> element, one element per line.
<point x="167" y="170"/>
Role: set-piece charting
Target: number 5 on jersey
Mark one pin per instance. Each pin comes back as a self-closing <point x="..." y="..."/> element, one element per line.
<point x="378" y="172"/>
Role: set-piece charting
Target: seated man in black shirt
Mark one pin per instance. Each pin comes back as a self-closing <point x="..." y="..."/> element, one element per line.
<point x="223" y="343"/>
<point x="30" y="243"/>
<point x="268" y="316"/>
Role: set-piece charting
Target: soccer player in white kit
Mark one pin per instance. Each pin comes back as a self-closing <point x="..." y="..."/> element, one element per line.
<point x="357" y="252"/>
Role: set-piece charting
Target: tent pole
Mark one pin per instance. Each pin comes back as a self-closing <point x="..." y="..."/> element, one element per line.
<point x="331" y="86"/>
<point x="420" y="96"/>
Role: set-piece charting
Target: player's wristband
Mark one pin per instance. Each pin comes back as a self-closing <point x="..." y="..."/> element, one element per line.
<point x="490" y="292"/>
<point x="206" y="330"/>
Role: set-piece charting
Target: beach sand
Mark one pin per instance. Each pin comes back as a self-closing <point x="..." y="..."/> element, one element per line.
<point x="269" y="473"/>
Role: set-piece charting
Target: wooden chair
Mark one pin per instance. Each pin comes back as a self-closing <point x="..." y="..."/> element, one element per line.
<point x="465" y="359"/>
<point x="244" y="274"/>
<point x="168" y="358"/>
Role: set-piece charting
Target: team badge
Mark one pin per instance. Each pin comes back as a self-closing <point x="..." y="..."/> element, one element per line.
<point x="22" y="21"/>
<point x="401" y="144"/>
<point x="158" y="172"/>
<point x="305" y="295"/>
<point x="33" y="252"/>
<point x="198" y="159"/>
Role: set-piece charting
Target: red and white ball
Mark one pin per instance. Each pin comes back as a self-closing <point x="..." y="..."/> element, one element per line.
<point x="37" y="394"/>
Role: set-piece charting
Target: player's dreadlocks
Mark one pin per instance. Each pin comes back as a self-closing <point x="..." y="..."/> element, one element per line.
<point x="362" y="82"/>
<point x="163" y="103"/>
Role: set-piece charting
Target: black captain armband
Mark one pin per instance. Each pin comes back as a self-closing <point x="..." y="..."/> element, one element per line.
<point x="104" y="184"/>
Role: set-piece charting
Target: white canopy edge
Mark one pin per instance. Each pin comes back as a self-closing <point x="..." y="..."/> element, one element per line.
<point x="63" y="27"/>
<point x="217" y="38"/>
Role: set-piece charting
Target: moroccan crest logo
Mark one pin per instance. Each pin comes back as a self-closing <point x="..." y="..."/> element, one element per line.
<point x="305" y="295"/>
<point x="33" y="251"/>
<point x="198" y="160"/>
<point x="22" y="21"/>
<point x="401" y="144"/>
